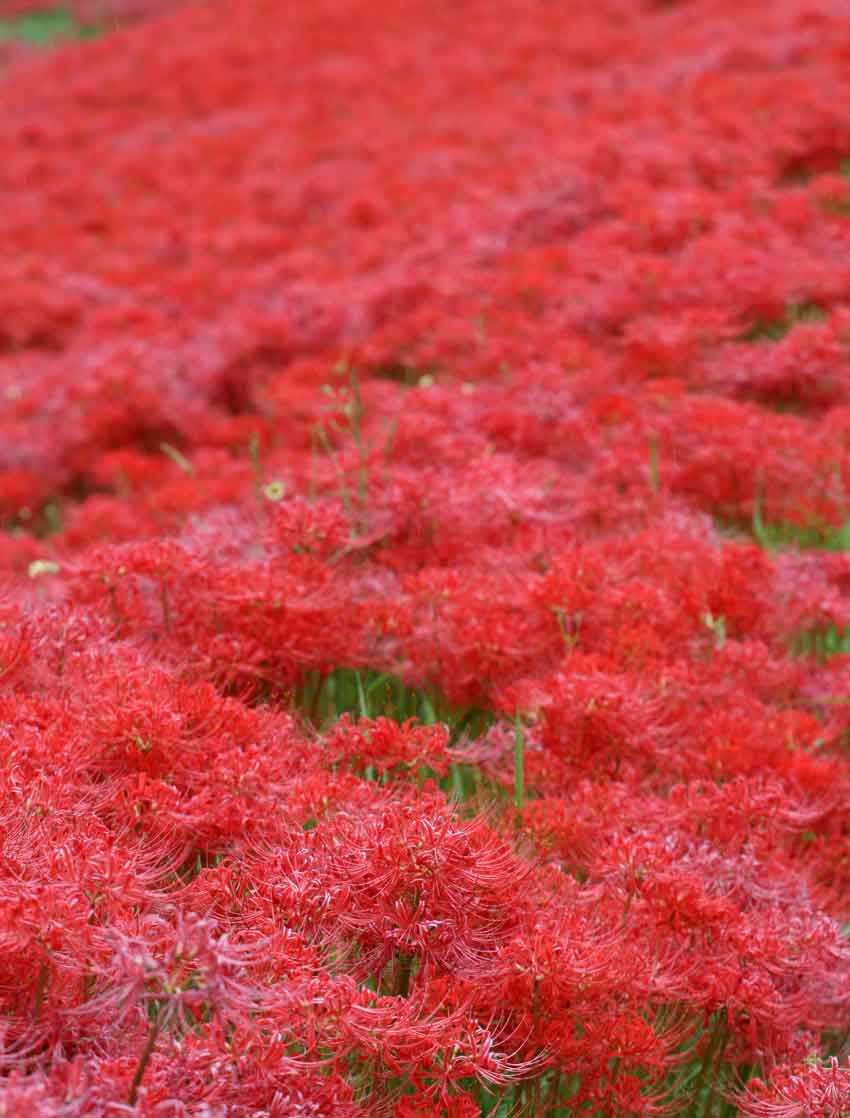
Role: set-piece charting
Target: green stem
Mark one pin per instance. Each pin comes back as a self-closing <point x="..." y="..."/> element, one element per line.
<point x="41" y="989"/>
<point x="144" y="1059"/>
<point x="703" y="1096"/>
<point x="403" y="968"/>
<point x="654" y="473"/>
<point x="519" y="770"/>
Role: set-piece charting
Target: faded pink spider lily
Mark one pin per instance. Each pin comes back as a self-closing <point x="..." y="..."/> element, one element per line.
<point x="175" y="973"/>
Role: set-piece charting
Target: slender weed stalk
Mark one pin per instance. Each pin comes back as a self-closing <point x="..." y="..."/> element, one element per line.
<point x="519" y="769"/>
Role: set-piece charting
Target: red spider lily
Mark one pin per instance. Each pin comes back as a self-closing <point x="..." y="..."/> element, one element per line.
<point x="412" y="879"/>
<point x="438" y="1051"/>
<point x="387" y="746"/>
<point x="813" y="1089"/>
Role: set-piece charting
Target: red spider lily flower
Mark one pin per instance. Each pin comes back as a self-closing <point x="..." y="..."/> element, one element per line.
<point x="412" y="878"/>
<point x="810" y="1090"/>
<point x="387" y="746"/>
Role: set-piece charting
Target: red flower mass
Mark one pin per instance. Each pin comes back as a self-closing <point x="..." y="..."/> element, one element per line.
<point x="424" y="473"/>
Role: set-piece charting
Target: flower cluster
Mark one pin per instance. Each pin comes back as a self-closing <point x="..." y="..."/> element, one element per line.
<point x="424" y="472"/>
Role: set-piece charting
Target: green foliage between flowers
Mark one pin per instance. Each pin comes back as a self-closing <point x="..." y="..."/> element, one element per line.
<point x="372" y="694"/>
<point x="775" y="330"/>
<point x="323" y="698"/>
<point x="43" y="29"/>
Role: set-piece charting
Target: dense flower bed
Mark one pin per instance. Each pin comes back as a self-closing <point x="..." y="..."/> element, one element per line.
<point x="424" y="471"/>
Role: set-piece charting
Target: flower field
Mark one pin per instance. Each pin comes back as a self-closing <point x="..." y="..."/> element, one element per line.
<point x="425" y="551"/>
